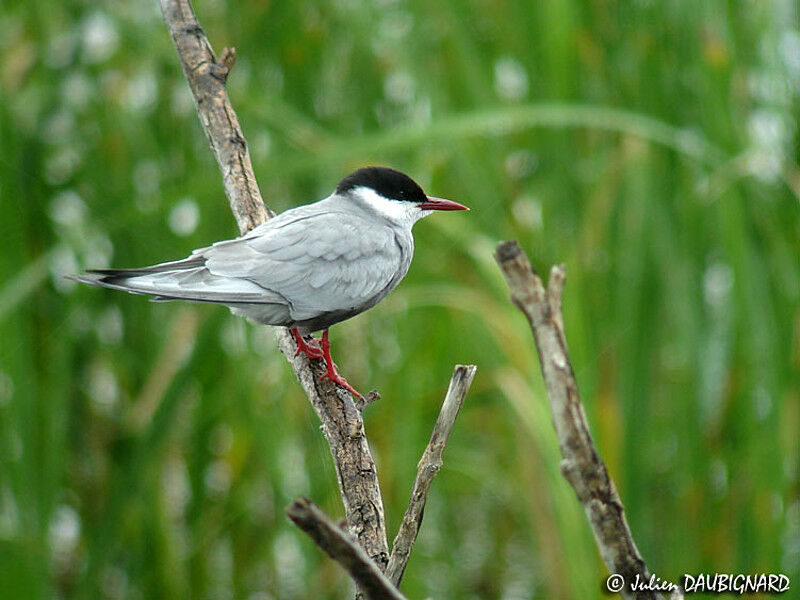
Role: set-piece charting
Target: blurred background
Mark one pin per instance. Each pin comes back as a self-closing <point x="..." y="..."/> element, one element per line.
<point x="149" y="450"/>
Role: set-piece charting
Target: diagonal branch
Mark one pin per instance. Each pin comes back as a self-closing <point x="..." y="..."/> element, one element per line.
<point x="428" y="467"/>
<point x="342" y="548"/>
<point x="342" y="423"/>
<point x="581" y="465"/>
<point x="207" y="77"/>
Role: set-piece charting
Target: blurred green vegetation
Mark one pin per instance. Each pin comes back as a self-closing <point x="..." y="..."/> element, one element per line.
<point x="148" y="450"/>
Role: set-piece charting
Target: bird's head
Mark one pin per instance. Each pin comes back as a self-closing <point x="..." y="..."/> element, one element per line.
<point x="392" y="194"/>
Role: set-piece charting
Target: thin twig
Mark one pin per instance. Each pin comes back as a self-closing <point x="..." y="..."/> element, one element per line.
<point x="342" y="548"/>
<point x="581" y="465"/>
<point x="428" y="467"/>
<point x="342" y="423"/>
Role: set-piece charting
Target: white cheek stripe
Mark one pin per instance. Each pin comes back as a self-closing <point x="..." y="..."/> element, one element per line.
<point x="396" y="210"/>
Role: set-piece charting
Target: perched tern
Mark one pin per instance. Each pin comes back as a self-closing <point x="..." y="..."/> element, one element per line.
<point x="307" y="268"/>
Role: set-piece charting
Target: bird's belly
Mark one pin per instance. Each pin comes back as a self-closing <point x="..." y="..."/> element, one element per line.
<point x="265" y="314"/>
<point x="325" y="319"/>
<point x="318" y="313"/>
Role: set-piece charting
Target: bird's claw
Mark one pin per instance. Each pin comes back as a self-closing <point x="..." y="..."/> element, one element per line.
<point x="310" y="348"/>
<point x="333" y="376"/>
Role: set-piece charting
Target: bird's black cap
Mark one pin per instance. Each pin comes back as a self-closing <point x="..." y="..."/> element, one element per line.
<point x="386" y="182"/>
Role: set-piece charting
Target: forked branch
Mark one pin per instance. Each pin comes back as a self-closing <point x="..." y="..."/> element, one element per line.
<point x="342" y="422"/>
<point x="342" y="548"/>
<point x="581" y="464"/>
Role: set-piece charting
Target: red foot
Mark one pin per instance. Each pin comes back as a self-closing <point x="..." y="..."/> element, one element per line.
<point x="310" y="349"/>
<point x="331" y="371"/>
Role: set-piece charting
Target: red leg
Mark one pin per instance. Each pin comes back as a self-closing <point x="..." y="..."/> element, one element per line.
<point x="310" y="349"/>
<point x="332" y="372"/>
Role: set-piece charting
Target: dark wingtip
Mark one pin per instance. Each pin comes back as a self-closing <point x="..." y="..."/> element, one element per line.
<point x="103" y="271"/>
<point x="87" y="277"/>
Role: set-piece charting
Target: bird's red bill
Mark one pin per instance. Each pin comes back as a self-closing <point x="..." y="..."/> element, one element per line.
<point x="441" y="204"/>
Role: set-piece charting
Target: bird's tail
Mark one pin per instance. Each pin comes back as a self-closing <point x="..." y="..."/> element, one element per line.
<point x="186" y="279"/>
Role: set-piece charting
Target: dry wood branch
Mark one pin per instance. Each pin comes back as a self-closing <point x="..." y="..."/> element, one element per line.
<point x="342" y="548"/>
<point x="343" y="428"/>
<point x="428" y="467"/>
<point x="206" y="77"/>
<point x="581" y="465"/>
<point x="342" y="423"/>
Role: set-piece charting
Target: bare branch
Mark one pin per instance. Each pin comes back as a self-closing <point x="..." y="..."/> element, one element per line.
<point x="206" y="77"/>
<point x="342" y="423"/>
<point x="581" y="465"/>
<point x="343" y="428"/>
<point x="428" y="467"/>
<point x="342" y="548"/>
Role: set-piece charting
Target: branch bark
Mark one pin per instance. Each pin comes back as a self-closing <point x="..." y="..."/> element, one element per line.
<point x="342" y="548"/>
<point x="207" y="76"/>
<point x="342" y="423"/>
<point x="581" y="464"/>
<point x="428" y="467"/>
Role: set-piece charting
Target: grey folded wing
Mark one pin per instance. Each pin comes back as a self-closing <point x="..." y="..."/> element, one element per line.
<point x="293" y="269"/>
<point x="317" y="263"/>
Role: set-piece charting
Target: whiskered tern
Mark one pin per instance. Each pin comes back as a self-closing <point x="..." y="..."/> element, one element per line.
<point x="308" y="268"/>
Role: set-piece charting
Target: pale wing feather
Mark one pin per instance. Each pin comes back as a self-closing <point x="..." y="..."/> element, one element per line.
<point x="318" y="263"/>
<point x="309" y="264"/>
